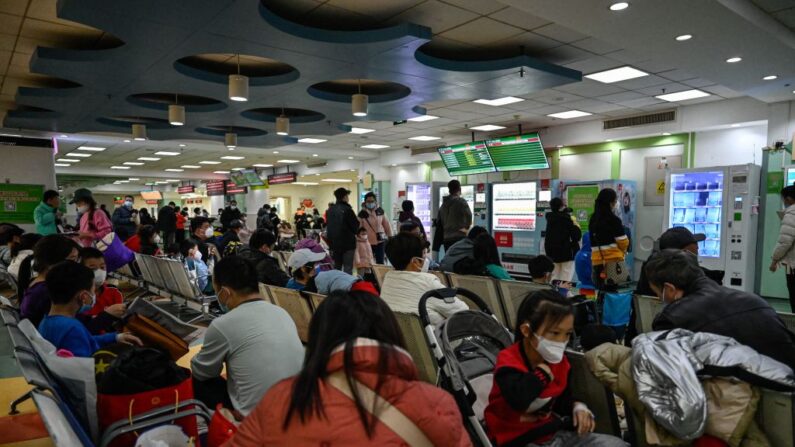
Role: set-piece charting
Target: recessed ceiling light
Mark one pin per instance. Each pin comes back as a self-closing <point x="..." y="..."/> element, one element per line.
<point x="499" y="101"/>
<point x="91" y="148"/>
<point x="237" y="169"/>
<point x="120" y="167"/>
<point x="287" y="162"/>
<point x="190" y="166"/>
<point x="161" y="183"/>
<point x="421" y="118"/>
<point x="609" y="140"/>
<point x="424" y="138"/>
<point x="619" y="6"/>
<point x="569" y="114"/>
<point x="306" y="183"/>
<point x="487" y="127"/>
<point x="735" y="125"/>
<point x="559" y="146"/>
<point x="350" y="158"/>
<point x="684" y="37"/>
<point x="337" y="180"/>
<point x="166" y="153"/>
<point x="133" y="179"/>
<point x="121" y="181"/>
<point x="276" y="152"/>
<point x="62" y="165"/>
<point x="209" y="162"/>
<point x="220" y="172"/>
<point x="63" y="135"/>
<point x="361" y="130"/>
<point x="317" y="174"/>
<point x="375" y="146"/>
<point x="133" y="163"/>
<point x="263" y="165"/>
<point x="126" y="141"/>
<point x="149" y="158"/>
<point x="182" y="144"/>
<point x="733" y="60"/>
<point x="68" y="160"/>
<point x="617" y="75"/>
<point x="174" y="170"/>
<point x="232" y="157"/>
<point x="683" y="96"/>
<point x="314" y="155"/>
<point x="80" y="154"/>
<point x="394" y="164"/>
<point x="172" y="180"/>
<point x="770" y="77"/>
<point x="312" y="140"/>
<point x="666" y="133"/>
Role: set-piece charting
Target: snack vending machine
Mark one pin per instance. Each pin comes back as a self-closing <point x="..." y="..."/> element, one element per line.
<point x="723" y="204"/>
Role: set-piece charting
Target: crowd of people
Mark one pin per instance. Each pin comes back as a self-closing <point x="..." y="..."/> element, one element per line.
<point x="354" y="369"/>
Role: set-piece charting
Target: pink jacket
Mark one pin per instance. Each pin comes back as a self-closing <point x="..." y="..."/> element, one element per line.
<point x="432" y="409"/>
<point x="363" y="257"/>
<point x="100" y="227"/>
<point x="375" y="223"/>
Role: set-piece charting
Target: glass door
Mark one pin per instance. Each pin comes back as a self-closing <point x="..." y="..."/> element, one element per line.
<point x="697" y="204"/>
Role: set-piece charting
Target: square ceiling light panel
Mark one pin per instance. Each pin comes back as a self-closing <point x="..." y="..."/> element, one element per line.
<point x="617" y="75"/>
<point x="487" y="127"/>
<point x="499" y="101"/>
<point x="375" y="146"/>
<point x="424" y="138"/>
<point x="569" y="114"/>
<point x="683" y="96"/>
<point x="361" y="130"/>
<point x="312" y="140"/>
<point x="421" y="118"/>
<point x="91" y="148"/>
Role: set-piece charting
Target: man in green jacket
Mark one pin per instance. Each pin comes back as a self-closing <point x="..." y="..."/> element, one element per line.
<point x="46" y="214"/>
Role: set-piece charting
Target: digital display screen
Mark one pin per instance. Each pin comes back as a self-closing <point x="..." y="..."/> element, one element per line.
<point x="790" y="177"/>
<point x="513" y="206"/>
<point x="518" y="152"/>
<point x="467" y="158"/>
<point x="252" y="178"/>
<point x="697" y="204"/>
<point x="238" y="178"/>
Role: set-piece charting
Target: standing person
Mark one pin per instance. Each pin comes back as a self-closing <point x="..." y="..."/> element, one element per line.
<point x="407" y="215"/>
<point x="354" y="340"/>
<point x="784" y="253"/>
<point x="274" y="215"/>
<point x="197" y="212"/>
<point x="182" y="218"/>
<point x="363" y="259"/>
<point x="377" y="225"/>
<point x="229" y="214"/>
<point x="263" y="218"/>
<point x="123" y="221"/>
<point x="608" y="239"/>
<point x="146" y="218"/>
<point x="47" y="213"/>
<point x="485" y="250"/>
<point x="342" y="228"/>
<point x="94" y="224"/>
<point x="319" y="222"/>
<point x="167" y="222"/>
<point x="562" y="240"/>
<point x="455" y="217"/>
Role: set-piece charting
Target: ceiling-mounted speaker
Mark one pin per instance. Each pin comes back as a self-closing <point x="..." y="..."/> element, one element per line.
<point x="176" y="115"/>
<point x="139" y="132"/>
<point x="359" y="104"/>
<point x="238" y="87"/>
<point x="282" y="125"/>
<point x="230" y="140"/>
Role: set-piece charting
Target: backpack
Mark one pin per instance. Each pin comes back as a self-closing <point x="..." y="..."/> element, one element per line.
<point x="232" y="248"/>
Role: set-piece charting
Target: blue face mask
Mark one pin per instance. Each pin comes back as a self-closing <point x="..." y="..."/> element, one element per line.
<point x="128" y="204"/>
<point x="86" y="307"/>
<point x="222" y="305"/>
<point x="370" y="205"/>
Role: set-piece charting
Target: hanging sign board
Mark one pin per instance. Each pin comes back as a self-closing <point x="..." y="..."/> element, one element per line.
<point x="216" y="188"/>
<point x="190" y="189"/>
<point x="280" y="179"/>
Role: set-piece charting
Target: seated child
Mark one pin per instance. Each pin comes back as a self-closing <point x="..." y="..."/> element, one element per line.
<point x="71" y="289"/>
<point x="109" y="308"/>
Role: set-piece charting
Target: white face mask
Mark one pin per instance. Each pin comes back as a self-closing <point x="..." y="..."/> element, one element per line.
<point x="82" y="209"/>
<point x="233" y="207"/>
<point x="197" y="255"/>
<point x="99" y="277"/>
<point x="157" y="239"/>
<point x="426" y="264"/>
<point x="551" y="351"/>
<point x="208" y="233"/>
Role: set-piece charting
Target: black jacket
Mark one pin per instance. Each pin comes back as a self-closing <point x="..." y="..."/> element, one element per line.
<point x="167" y="219"/>
<point x="228" y="215"/>
<point x="123" y="223"/>
<point x="342" y="226"/>
<point x="268" y="271"/>
<point x="561" y="241"/>
<point x="749" y="319"/>
<point x="229" y="236"/>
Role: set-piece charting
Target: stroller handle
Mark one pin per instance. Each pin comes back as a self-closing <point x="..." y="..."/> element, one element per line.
<point x="449" y="294"/>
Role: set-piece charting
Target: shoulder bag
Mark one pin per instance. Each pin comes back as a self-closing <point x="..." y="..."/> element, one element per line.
<point x="613" y="273"/>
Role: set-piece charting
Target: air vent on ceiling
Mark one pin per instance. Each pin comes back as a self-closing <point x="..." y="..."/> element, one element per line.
<point x="641" y="120"/>
<point x="316" y="165"/>
<point x="425" y="150"/>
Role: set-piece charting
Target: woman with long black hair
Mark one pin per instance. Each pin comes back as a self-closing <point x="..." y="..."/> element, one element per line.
<point x="356" y="378"/>
<point x="93" y="225"/>
<point x="609" y="242"/>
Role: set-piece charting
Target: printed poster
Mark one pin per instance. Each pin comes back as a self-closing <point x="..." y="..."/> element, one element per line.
<point x="580" y="198"/>
<point x="17" y="202"/>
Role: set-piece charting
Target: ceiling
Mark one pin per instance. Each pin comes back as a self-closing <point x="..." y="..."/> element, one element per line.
<point x="446" y="53"/>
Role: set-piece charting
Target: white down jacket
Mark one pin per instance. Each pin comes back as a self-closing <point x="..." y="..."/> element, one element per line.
<point x="785" y="246"/>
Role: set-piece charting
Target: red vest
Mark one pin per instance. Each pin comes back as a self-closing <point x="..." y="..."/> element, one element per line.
<point x="503" y="422"/>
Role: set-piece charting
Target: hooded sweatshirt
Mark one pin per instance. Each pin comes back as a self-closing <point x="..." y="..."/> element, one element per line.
<point x="460" y="250"/>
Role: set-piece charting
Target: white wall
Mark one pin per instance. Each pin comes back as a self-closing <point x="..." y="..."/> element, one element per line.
<point x="732" y="146"/>
<point x="584" y="167"/>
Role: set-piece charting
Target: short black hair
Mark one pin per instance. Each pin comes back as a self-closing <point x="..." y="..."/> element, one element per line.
<point x="186" y="245"/>
<point x="407" y="205"/>
<point x="197" y="223"/>
<point x="402" y="248"/>
<point x="556" y="204"/>
<point x="51" y="250"/>
<point x="90" y="253"/>
<point x="454" y="186"/>
<point x="678" y="267"/>
<point x="236" y="223"/>
<point x="146" y="233"/>
<point x="66" y="279"/>
<point x="197" y="209"/>
<point x="26" y="242"/>
<point x="593" y="335"/>
<point x="262" y="237"/>
<point x="406" y="227"/>
<point x="9" y="234"/>
<point x="172" y="204"/>
<point x="233" y="201"/>
<point x="540" y="265"/>
<point x="50" y="194"/>
<point x="130" y="197"/>
<point x="485" y="250"/>
<point x="788" y="191"/>
<point x="476" y="231"/>
<point x="539" y="306"/>
<point x="370" y="194"/>
<point x="237" y="273"/>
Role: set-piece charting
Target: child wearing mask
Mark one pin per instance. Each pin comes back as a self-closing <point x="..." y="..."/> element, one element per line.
<point x="190" y="252"/>
<point x="71" y="288"/>
<point x="302" y="265"/>
<point x="109" y="307"/>
<point x="363" y="257"/>
<point x="530" y="402"/>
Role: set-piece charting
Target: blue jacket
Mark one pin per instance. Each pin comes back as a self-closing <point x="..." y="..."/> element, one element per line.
<point x="123" y="223"/>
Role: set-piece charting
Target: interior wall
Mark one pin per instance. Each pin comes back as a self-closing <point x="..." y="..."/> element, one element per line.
<point x="733" y="146"/>
<point x="321" y="195"/>
<point x="585" y="167"/>
<point x="27" y="166"/>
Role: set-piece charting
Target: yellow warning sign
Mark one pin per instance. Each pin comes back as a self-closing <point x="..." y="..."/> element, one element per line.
<point x="660" y="187"/>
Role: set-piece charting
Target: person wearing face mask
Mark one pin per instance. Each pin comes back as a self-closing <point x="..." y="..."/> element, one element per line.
<point x="232" y="235"/>
<point x="530" y="403"/>
<point x="182" y="218"/>
<point x="374" y="220"/>
<point x="258" y="251"/>
<point x="404" y="286"/>
<point x="94" y="224"/>
<point x="302" y="264"/>
<point x="123" y="220"/>
<point x="71" y="287"/>
<point x="47" y="213"/>
<point x="609" y="241"/>
<point x="697" y="303"/>
<point x="109" y="307"/>
<point x="363" y="259"/>
<point x="167" y="222"/>
<point x="256" y="342"/>
<point x="50" y="250"/>
<point x="229" y="214"/>
<point x="341" y="231"/>
<point x="202" y="234"/>
<point x="194" y="260"/>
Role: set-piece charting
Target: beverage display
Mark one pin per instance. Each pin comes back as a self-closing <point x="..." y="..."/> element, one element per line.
<point x="514" y="206"/>
<point x="696" y="204"/>
<point x="422" y="196"/>
<point x="467" y="158"/>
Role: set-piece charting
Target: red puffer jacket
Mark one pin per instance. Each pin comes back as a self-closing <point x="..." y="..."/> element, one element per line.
<point x="431" y="409"/>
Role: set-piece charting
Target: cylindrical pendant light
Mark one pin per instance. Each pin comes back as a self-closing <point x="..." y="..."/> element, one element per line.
<point x="359" y="102"/>
<point x="230" y="140"/>
<point x="176" y="115"/>
<point x="238" y="85"/>
<point x="139" y="132"/>
<point x="282" y="125"/>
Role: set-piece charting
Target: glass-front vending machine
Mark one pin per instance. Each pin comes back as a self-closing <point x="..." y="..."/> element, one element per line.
<point x="514" y="220"/>
<point x="467" y="192"/>
<point x="426" y="204"/>
<point x="723" y="204"/>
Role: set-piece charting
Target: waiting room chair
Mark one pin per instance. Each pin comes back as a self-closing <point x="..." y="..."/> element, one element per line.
<point x="295" y="305"/>
<point x="599" y="399"/>
<point x="485" y="288"/>
<point x="788" y="319"/>
<point x="647" y="308"/>
<point x="776" y="416"/>
<point x="512" y="293"/>
<point x="265" y="291"/>
<point x="58" y="422"/>
<point x="380" y="272"/>
<point x="314" y="299"/>
<point x="442" y="277"/>
<point x="417" y="345"/>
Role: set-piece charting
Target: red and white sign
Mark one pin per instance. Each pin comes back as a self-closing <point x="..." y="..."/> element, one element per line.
<point x="231" y="188"/>
<point x="279" y="179"/>
<point x="503" y="239"/>
<point x="216" y="188"/>
<point x="189" y="189"/>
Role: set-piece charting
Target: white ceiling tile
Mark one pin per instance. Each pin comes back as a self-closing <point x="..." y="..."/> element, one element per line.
<point x="653" y="66"/>
<point x="378" y="10"/>
<point x="478" y="6"/>
<point x="533" y="43"/>
<point x="722" y="91"/>
<point x="675" y="75"/>
<point x="593" y="64"/>
<point x="592" y="106"/>
<point x="436" y="15"/>
<point x="555" y="97"/>
<point x="623" y="96"/>
<point x="482" y="31"/>
<point x="626" y="56"/>
<point x="456" y="114"/>
<point x="641" y="102"/>
<point x="698" y="82"/>
<point x="643" y="82"/>
<point x="518" y="18"/>
<point x="565" y="54"/>
<point x="558" y="32"/>
<point x="525" y="105"/>
<point x="619" y="113"/>
<point x="774" y="5"/>
<point x="595" y="46"/>
<point x="590" y="89"/>
<point x="671" y="87"/>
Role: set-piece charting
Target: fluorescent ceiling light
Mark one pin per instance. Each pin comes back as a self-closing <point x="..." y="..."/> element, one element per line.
<point x="133" y="163"/>
<point x="161" y="183"/>
<point x="121" y="181"/>
<point x="133" y="179"/>
<point x="569" y="115"/>
<point x="617" y="75"/>
<point x="172" y="180"/>
<point x="734" y="60"/>
<point x="190" y="166"/>
<point x="80" y="154"/>
<point x="209" y="162"/>
<point x="149" y="158"/>
<point x="62" y="165"/>
<point x="306" y="183"/>
<point x="619" y="6"/>
<point x="262" y="165"/>
<point x="120" y="167"/>
<point x="421" y="118"/>
<point x="275" y="152"/>
<point x="361" y="130"/>
<point x="232" y="157"/>
<point x="336" y="180"/>
<point x="91" y="148"/>
<point x="609" y="140"/>
<point x="424" y="138"/>
<point x="499" y="101"/>
<point x="174" y="170"/>
<point x="735" y="125"/>
<point x="182" y="144"/>
<point x="375" y="146"/>
<point x="220" y="172"/>
<point x="315" y="155"/>
<point x="312" y="140"/>
<point x="288" y="161"/>
<point x="683" y="96"/>
<point x="63" y="135"/>
<point x="684" y="37"/>
<point x="237" y="169"/>
<point x="126" y="141"/>
<point x="487" y="127"/>
<point x="68" y="160"/>
<point x="166" y="153"/>
<point x="666" y="133"/>
<point x="770" y="78"/>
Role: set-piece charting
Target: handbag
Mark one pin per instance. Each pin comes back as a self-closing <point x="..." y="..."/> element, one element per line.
<point x="612" y="274"/>
<point x="116" y="254"/>
<point x="154" y="335"/>
<point x="222" y="427"/>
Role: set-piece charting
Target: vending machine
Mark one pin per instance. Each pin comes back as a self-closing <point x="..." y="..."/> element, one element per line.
<point x="723" y="204"/>
<point x="514" y="224"/>
<point x="475" y="200"/>
<point x="426" y="203"/>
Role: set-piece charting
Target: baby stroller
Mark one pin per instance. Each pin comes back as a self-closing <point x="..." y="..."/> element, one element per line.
<point x="465" y="347"/>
